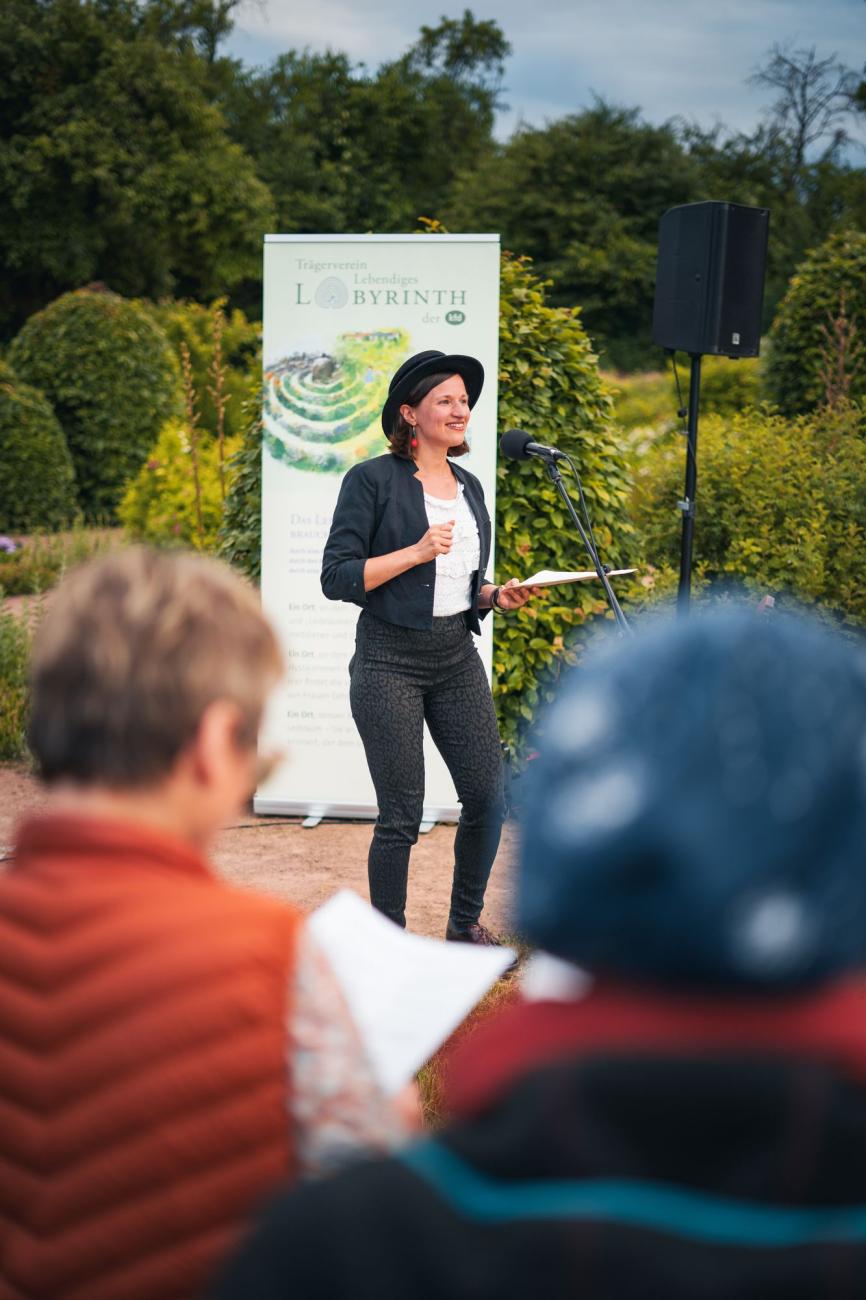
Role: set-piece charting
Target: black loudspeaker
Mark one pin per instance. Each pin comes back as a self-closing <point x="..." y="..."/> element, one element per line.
<point x="710" y="279"/>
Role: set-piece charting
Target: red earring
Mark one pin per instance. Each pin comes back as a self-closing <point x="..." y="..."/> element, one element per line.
<point x="413" y="441"/>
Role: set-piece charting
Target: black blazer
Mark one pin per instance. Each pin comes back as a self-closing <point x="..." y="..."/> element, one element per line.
<point x="381" y="509"/>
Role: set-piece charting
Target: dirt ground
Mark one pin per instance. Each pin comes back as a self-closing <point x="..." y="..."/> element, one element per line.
<point x="279" y="857"/>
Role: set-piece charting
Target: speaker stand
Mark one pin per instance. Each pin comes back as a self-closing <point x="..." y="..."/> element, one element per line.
<point x="687" y="505"/>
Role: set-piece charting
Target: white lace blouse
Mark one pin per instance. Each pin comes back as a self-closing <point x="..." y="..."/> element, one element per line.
<point x="453" y="592"/>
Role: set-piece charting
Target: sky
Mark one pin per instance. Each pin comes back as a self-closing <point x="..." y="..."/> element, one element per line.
<point x="670" y="58"/>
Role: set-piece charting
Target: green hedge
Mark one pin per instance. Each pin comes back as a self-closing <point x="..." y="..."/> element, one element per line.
<point x="240" y="538"/>
<point x="799" y="347"/>
<point x="108" y="371"/>
<point x="37" y="481"/>
<point x="781" y="506"/>
<point x="549" y="385"/>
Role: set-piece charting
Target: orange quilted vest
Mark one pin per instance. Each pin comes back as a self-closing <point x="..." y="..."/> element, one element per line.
<point x="143" y="1063"/>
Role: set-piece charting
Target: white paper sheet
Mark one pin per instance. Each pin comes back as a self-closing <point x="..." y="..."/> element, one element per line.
<point x="550" y="979"/>
<point x="554" y="578"/>
<point x="406" y="993"/>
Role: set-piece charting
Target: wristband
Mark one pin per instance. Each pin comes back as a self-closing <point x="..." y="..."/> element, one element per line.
<point x="494" y="599"/>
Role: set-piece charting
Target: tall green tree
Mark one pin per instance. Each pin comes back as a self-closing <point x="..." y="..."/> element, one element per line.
<point x="583" y="197"/>
<point x="114" y="165"/>
<point x="344" y="148"/>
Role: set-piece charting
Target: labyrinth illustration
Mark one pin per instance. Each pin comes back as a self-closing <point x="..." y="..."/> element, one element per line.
<point x="322" y="412"/>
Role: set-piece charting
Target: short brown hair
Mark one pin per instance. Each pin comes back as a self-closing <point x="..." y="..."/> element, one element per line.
<point x="131" y="651"/>
<point x="402" y="434"/>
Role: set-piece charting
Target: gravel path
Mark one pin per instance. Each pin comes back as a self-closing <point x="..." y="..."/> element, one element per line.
<point x="277" y="856"/>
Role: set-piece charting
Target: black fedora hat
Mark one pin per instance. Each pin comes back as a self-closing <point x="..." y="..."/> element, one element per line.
<point x="419" y="367"/>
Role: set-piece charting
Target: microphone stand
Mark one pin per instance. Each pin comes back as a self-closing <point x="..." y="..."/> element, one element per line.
<point x="556" y="478"/>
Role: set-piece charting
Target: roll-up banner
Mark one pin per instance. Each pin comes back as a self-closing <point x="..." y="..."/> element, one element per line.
<point x="341" y="313"/>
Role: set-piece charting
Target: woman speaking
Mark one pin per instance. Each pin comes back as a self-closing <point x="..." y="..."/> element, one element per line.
<point x="409" y="543"/>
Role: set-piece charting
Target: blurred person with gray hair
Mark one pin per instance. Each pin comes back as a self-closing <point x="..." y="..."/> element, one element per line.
<point x="676" y="1106"/>
<point x="170" y="1048"/>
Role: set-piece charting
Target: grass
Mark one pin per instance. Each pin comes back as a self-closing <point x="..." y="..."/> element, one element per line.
<point x="41" y="559"/>
<point x="432" y="1076"/>
<point x="14" y="654"/>
<point x="36" y="565"/>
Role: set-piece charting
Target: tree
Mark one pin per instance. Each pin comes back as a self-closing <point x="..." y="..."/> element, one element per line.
<point x="468" y="52"/>
<point x="201" y="25"/>
<point x="813" y="99"/>
<point x="113" y="164"/>
<point x="342" y="148"/>
<point x="583" y="197"/>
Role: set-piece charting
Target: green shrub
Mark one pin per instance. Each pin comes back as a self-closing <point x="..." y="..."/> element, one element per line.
<point x="803" y="354"/>
<point x="109" y="372"/>
<point x="208" y="331"/>
<point x="37" y="481"/>
<point x="727" y="386"/>
<point x="649" y="400"/>
<point x="40" y="561"/>
<point x="549" y="385"/>
<point x="781" y="506"/>
<point x="164" y="505"/>
<point x="14" y="652"/>
<point x="240" y="537"/>
<point x="645" y="400"/>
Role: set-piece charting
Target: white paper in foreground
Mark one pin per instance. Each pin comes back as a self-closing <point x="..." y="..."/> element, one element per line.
<point x="406" y="993"/>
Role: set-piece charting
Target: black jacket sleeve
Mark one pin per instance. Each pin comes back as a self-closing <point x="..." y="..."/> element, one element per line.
<point x="348" y="546"/>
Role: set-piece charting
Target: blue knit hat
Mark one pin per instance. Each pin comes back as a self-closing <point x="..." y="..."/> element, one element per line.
<point x="698" y="814"/>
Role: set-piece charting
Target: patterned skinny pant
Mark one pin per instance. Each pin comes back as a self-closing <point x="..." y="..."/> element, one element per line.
<point x="400" y="678"/>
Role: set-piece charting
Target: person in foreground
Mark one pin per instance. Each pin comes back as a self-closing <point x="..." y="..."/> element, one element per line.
<point x="171" y="1049"/>
<point x="681" y="1112"/>
<point x="409" y="543"/>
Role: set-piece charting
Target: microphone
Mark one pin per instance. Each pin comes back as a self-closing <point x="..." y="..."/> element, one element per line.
<point x="517" y="444"/>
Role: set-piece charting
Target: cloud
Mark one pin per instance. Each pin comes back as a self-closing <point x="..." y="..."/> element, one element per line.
<point x="665" y="57"/>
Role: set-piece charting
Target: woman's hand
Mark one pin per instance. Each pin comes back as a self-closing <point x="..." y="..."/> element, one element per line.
<point x="436" y="541"/>
<point x="382" y="568"/>
<point x="512" y="596"/>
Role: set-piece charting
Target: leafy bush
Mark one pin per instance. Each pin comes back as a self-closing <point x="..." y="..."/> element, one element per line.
<point x="39" y="562"/>
<point x="646" y="400"/>
<point x="802" y="349"/>
<point x="649" y="400"/>
<point x="550" y="386"/>
<point x="209" y="334"/>
<point x="176" y="498"/>
<point x="14" y="652"/>
<point x="240" y="537"/>
<point x="112" y="379"/>
<point x="727" y="386"/>
<point x="781" y="505"/>
<point x="37" y="481"/>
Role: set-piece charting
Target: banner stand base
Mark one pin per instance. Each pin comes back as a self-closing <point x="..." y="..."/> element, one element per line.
<point x="314" y="813"/>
